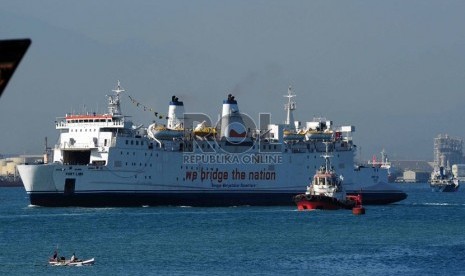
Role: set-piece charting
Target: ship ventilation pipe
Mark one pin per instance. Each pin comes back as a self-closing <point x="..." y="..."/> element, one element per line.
<point x="175" y="114"/>
<point x="232" y="124"/>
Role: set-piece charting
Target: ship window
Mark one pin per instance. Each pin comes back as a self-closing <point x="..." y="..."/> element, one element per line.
<point x="132" y="142"/>
<point x="127" y="142"/>
<point x="142" y="143"/>
<point x="137" y="143"/>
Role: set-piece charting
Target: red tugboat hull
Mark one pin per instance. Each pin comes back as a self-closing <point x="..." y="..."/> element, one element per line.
<point x="319" y="202"/>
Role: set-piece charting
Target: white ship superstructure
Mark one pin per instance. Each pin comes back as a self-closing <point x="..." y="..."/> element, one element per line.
<point x="104" y="160"/>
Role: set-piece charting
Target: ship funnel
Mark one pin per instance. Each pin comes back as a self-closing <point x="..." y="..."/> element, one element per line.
<point x="232" y="125"/>
<point x="175" y="114"/>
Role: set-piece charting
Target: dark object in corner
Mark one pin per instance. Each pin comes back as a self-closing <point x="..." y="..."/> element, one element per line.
<point x="11" y="53"/>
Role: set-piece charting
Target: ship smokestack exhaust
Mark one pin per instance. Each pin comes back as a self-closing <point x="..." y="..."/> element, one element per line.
<point x="232" y="124"/>
<point x="175" y="114"/>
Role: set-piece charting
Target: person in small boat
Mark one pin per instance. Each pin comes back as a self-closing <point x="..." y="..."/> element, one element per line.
<point x="73" y="258"/>
<point x="55" y="256"/>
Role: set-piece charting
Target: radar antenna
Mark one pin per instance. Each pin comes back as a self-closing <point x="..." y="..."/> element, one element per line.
<point x="114" y="107"/>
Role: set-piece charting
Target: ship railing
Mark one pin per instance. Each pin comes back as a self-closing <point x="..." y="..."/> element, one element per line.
<point x="315" y="146"/>
<point x="64" y="124"/>
<point x="60" y="125"/>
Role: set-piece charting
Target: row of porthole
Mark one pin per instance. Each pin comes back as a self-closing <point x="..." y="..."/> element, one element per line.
<point x="134" y="153"/>
<point x="145" y="176"/>
<point x="140" y="164"/>
<point x="80" y="130"/>
<point x="132" y="142"/>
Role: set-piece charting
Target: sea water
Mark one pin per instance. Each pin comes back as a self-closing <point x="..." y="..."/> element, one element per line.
<point x="422" y="235"/>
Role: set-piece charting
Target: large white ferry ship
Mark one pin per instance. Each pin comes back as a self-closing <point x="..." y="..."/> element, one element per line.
<point x="106" y="160"/>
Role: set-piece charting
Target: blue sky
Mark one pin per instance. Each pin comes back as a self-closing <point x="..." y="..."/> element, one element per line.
<point x="394" y="69"/>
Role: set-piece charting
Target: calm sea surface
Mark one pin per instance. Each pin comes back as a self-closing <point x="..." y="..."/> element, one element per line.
<point x="422" y="235"/>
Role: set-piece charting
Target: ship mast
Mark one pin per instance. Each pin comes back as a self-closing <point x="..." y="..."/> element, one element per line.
<point x="114" y="107"/>
<point x="290" y="107"/>
<point x="327" y="157"/>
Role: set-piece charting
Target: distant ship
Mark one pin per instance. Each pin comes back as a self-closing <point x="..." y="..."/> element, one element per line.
<point x="442" y="180"/>
<point x="106" y="160"/>
<point x="10" y="181"/>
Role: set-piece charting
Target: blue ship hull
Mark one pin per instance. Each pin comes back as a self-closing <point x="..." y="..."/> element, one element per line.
<point x="195" y="199"/>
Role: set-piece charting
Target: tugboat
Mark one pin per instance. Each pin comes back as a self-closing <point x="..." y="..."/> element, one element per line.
<point x="442" y="181"/>
<point x="326" y="191"/>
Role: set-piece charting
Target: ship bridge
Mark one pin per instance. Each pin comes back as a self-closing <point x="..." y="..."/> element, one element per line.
<point x="94" y="120"/>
